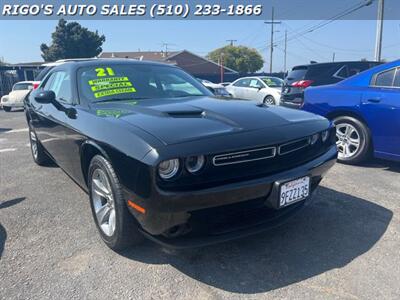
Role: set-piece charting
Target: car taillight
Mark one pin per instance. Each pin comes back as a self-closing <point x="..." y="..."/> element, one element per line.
<point x="36" y="85"/>
<point x="302" y="83"/>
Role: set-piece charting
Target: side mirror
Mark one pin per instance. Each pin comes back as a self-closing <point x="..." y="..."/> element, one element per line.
<point x="45" y="97"/>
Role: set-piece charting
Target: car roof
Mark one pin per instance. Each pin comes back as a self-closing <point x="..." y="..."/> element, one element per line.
<point x="62" y="61"/>
<point x="95" y="62"/>
<point x="334" y="63"/>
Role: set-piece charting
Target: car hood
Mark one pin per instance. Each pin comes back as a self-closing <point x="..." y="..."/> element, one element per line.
<point x="18" y="95"/>
<point x="180" y="120"/>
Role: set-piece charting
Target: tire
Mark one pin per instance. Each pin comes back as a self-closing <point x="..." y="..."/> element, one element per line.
<point x="7" y="108"/>
<point x="269" y="100"/>
<point x="39" y="156"/>
<point x="117" y="227"/>
<point x="353" y="140"/>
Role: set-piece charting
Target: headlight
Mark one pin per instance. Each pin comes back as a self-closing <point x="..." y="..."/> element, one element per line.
<point x="168" y="168"/>
<point x="195" y="163"/>
<point x="314" y="138"/>
<point x="325" y="135"/>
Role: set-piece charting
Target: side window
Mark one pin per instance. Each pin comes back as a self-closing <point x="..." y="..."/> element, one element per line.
<point x="385" y="78"/>
<point x="342" y="73"/>
<point x="255" y="83"/>
<point x="47" y="84"/>
<point x="396" y="82"/>
<point x="242" y="83"/>
<point x="60" y="84"/>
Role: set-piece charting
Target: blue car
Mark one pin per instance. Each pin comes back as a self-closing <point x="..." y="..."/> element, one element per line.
<point x="366" y="111"/>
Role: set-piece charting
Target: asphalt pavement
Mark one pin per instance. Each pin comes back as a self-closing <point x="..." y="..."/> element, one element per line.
<point x="346" y="245"/>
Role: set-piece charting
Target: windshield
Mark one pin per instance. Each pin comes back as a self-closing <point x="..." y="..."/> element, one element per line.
<point x="135" y="81"/>
<point x="296" y="74"/>
<point x="273" y="81"/>
<point x="22" y="86"/>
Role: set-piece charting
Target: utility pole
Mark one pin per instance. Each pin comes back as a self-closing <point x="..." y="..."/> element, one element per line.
<point x="333" y="57"/>
<point x="166" y="48"/>
<point x="272" y="23"/>
<point x="221" y="62"/>
<point x="379" y="30"/>
<point x="285" y="55"/>
<point x="231" y="42"/>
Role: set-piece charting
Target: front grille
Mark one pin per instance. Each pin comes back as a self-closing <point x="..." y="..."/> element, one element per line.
<point x="293" y="146"/>
<point x="244" y="156"/>
<point x="291" y="155"/>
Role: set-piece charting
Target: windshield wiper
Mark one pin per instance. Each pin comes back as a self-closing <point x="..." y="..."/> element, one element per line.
<point x="121" y="99"/>
<point x="186" y="96"/>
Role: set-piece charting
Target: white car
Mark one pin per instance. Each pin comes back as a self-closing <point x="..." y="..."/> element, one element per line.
<point x="217" y="89"/>
<point x="15" y="99"/>
<point x="262" y="89"/>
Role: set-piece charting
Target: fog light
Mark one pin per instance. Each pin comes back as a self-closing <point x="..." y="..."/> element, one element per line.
<point x="325" y="135"/>
<point x="168" y="168"/>
<point x="195" y="163"/>
<point x="314" y="139"/>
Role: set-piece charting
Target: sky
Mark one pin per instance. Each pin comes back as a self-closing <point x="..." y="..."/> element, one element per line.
<point x="349" y="40"/>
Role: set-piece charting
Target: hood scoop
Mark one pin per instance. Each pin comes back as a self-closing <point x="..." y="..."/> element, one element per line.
<point x="187" y="113"/>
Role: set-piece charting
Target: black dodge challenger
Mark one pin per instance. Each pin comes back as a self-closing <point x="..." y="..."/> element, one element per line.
<point x="161" y="158"/>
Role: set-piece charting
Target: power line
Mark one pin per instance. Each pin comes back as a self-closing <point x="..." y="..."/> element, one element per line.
<point x="313" y="28"/>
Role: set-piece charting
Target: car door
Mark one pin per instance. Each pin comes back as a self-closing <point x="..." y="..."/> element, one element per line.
<point x="381" y="107"/>
<point x="256" y="90"/>
<point x="236" y="89"/>
<point x="56" y="130"/>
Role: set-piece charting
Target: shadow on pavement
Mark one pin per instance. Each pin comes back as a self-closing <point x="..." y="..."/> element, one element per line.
<point x="4" y="129"/>
<point x="3" y="232"/>
<point x="387" y="165"/>
<point x="330" y="233"/>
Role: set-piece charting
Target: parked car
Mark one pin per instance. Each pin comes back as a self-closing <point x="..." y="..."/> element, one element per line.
<point x="304" y="76"/>
<point x="15" y="99"/>
<point x="217" y="89"/>
<point x="262" y="89"/>
<point x="366" y="111"/>
<point x="173" y="164"/>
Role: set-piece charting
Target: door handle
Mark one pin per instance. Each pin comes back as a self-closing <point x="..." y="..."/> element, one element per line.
<point x="374" y="100"/>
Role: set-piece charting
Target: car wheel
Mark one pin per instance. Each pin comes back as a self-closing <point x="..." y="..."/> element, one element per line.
<point x="269" y="100"/>
<point x="352" y="139"/>
<point x="38" y="154"/>
<point x="7" y="108"/>
<point x="117" y="227"/>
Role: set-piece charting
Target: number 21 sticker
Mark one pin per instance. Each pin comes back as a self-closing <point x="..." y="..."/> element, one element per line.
<point x="101" y="72"/>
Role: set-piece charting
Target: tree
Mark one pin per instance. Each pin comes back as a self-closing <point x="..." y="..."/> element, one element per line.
<point x="71" y="40"/>
<point x="238" y="58"/>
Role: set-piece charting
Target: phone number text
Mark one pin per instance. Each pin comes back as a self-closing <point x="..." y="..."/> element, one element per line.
<point x="204" y="10"/>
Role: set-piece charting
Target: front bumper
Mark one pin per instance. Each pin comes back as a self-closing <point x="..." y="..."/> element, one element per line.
<point x="14" y="104"/>
<point x="174" y="218"/>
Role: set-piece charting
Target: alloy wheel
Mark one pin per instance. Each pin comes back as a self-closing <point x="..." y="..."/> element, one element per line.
<point x="347" y="140"/>
<point x="269" y="101"/>
<point x="103" y="202"/>
<point x="34" y="145"/>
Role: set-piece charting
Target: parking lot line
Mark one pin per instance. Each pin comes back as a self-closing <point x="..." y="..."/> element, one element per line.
<point x="17" y="130"/>
<point x="7" y="150"/>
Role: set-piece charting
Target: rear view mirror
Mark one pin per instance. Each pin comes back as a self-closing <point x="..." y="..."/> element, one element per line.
<point x="45" y="97"/>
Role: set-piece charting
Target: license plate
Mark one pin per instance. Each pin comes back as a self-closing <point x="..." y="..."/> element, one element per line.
<point x="294" y="191"/>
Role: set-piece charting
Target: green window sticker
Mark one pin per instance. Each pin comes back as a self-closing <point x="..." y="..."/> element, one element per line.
<point x="107" y="80"/>
<point x="101" y="87"/>
<point x="114" y="92"/>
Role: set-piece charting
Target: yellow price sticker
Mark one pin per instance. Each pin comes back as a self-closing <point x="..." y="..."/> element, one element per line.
<point x="97" y="88"/>
<point x="115" y="92"/>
